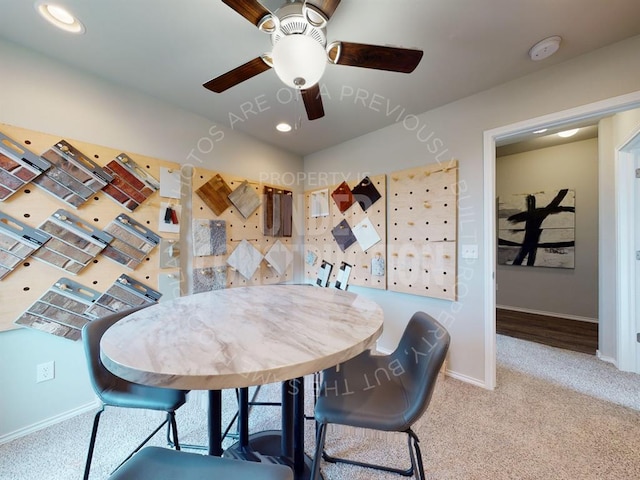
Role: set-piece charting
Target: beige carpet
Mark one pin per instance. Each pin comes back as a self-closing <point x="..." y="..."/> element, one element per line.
<point x="536" y="425"/>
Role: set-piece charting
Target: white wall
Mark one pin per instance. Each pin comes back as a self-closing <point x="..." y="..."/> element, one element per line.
<point x="42" y="95"/>
<point x="457" y="130"/>
<point x="613" y="132"/>
<point x="571" y="292"/>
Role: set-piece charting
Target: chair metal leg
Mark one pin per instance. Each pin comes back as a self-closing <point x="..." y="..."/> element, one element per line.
<point x="320" y="438"/>
<point x="406" y="472"/>
<point x="416" y="447"/>
<point x="92" y="443"/>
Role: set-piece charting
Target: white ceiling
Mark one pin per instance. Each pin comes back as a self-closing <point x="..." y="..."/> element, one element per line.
<point x="169" y="48"/>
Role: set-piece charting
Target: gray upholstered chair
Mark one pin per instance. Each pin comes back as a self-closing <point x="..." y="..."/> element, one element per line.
<point x="384" y="392"/>
<point x="156" y="463"/>
<point x="117" y="392"/>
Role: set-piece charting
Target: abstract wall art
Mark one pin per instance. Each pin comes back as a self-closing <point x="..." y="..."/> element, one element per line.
<point x="537" y="229"/>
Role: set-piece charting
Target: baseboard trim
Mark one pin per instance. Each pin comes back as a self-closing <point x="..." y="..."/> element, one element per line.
<point x="445" y="372"/>
<point x="604" y="358"/>
<point x="22" y="432"/>
<point x="549" y="314"/>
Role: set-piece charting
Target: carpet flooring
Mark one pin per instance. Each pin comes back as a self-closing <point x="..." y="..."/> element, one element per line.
<point x="554" y="415"/>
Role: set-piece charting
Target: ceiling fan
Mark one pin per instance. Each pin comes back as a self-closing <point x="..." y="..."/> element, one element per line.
<point x="300" y="51"/>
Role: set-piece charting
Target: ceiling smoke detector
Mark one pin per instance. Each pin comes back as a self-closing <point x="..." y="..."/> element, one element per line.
<point x="545" y="48"/>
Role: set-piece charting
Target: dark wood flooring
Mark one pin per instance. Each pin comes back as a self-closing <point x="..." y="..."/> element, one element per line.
<point x="556" y="332"/>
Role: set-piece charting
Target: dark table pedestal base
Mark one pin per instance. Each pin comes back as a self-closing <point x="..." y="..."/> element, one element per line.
<point x="266" y="447"/>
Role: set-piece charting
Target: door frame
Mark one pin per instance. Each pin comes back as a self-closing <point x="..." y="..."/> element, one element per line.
<point x="592" y="110"/>
<point x="626" y="211"/>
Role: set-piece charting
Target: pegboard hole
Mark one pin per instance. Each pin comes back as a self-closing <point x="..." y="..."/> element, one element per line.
<point x="26" y="215"/>
<point x="28" y="142"/>
<point x="27" y="191"/>
<point x="26" y="264"/>
<point x="26" y="289"/>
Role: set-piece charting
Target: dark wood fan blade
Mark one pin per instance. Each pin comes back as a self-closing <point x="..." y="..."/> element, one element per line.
<point x="326" y="6"/>
<point x="393" y="59"/>
<point x="237" y="75"/>
<point x="313" y="102"/>
<point x="252" y="10"/>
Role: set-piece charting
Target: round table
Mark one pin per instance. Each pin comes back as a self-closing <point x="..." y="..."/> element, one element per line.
<point x="241" y="337"/>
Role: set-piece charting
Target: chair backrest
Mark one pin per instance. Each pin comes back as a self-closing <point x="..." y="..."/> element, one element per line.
<point x="101" y="378"/>
<point x="420" y="355"/>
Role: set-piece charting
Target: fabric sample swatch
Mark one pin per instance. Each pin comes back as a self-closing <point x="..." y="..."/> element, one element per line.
<point x="209" y="237"/>
<point x="215" y="194"/>
<point x="279" y="257"/>
<point x="366" y="234"/>
<point x="366" y="193"/>
<point x="209" y="278"/>
<point x="343" y="197"/>
<point x="245" y="199"/>
<point x="343" y="235"/>
<point x="245" y="259"/>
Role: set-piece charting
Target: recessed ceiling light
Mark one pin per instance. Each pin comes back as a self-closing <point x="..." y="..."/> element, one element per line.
<point x="59" y="16"/>
<point x="283" y="127"/>
<point x="542" y="130"/>
<point x="568" y="133"/>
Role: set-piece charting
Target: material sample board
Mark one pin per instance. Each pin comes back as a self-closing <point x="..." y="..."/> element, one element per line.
<point x="333" y="225"/>
<point x="422" y="224"/>
<point x="33" y="207"/>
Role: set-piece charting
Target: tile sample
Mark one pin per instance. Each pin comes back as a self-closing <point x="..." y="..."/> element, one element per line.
<point x="215" y="194"/>
<point x="169" y="253"/>
<point x="169" y="286"/>
<point x="342" y="278"/>
<point x="319" y="203"/>
<point x="209" y="278"/>
<point x="169" y="183"/>
<point x="123" y="294"/>
<point x="343" y="235"/>
<point x="209" y="237"/>
<point x="74" y="243"/>
<point x="310" y="258"/>
<point x="245" y="259"/>
<point x="73" y="177"/>
<point x="324" y="274"/>
<point x="366" y="234"/>
<point x="245" y="199"/>
<point x="343" y="197"/>
<point x="131" y="184"/>
<point x="61" y="309"/>
<point x="279" y="257"/>
<point x="17" y="167"/>
<point x="377" y="266"/>
<point x="366" y="193"/>
<point x="277" y="212"/>
<point x="17" y="242"/>
<point x="131" y="242"/>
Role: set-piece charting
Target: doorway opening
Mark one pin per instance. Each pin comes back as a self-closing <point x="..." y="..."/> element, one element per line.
<point x="592" y="112"/>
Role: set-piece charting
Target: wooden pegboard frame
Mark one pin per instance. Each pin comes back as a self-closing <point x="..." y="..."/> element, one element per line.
<point x="319" y="240"/>
<point x="238" y="228"/>
<point x="31" y="205"/>
<point x="422" y="231"/>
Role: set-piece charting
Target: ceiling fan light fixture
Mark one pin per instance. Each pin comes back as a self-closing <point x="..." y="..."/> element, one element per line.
<point x="299" y="61"/>
<point x="314" y="15"/>
<point x="269" y="24"/>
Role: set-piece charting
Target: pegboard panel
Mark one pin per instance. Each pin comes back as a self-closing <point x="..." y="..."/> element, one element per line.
<point x="238" y="228"/>
<point x="422" y="231"/>
<point x="32" y="206"/>
<point x="321" y="244"/>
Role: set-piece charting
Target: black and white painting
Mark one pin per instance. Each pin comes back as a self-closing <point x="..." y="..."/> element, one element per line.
<point x="537" y="229"/>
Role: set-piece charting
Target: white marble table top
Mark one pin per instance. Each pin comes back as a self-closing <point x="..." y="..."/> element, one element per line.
<point x="240" y="337"/>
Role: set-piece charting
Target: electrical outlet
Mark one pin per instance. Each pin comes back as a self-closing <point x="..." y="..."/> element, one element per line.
<point x="45" y="371"/>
